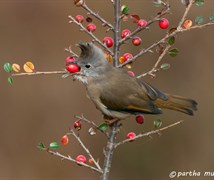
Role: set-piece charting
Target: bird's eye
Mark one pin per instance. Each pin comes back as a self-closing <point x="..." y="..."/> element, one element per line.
<point x="88" y="66"/>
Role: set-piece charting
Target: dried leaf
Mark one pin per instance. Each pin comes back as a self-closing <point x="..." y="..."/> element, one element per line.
<point x="28" y="67"/>
<point x="121" y="60"/>
<point x="89" y="19"/>
<point x="92" y="131"/>
<point x="172" y="30"/>
<point x="16" y="67"/>
<point x="79" y="3"/>
<point x="187" y="24"/>
<point x="135" y="18"/>
<point x="185" y="2"/>
<point x="125" y="18"/>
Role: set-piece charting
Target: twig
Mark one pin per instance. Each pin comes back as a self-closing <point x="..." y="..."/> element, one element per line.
<point x="69" y="50"/>
<point x="109" y="151"/>
<point x="90" y="34"/>
<point x="82" y="118"/>
<point x="68" y="158"/>
<point x="163" y="40"/>
<point x="86" y="149"/>
<point x="96" y="15"/>
<point x="139" y="29"/>
<point x="147" y="134"/>
<point x="155" y="69"/>
<point x="39" y="73"/>
<point x="117" y="24"/>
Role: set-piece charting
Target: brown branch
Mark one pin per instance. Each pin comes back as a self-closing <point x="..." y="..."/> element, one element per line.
<point x="148" y="134"/>
<point x="139" y="29"/>
<point x="69" y="50"/>
<point x="96" y="15"/>
<point x="72" y="20"/>
<point x="155" y="67"/>
<point x="86" y="149"/>
<point x="109" y="151"/>
<point x="39" y="73"/>
<point x="163" y="40"/>
<point x="68" y="158"/>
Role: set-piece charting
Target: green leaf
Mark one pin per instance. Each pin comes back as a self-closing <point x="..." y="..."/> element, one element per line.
<point x="171" y="40"/>
<point x="10" y="80"/>
<point x="103" y="127"/>
<point x="212" y="17"/>
<point x="125" y="9"/>
<point x="173" y="52"/>
<point x="157" y="3"/>
<point x="165" y="66"/>
<point x="157" y="123"/>
<point x="199" y="20"/>
<point x="54" y="145"/>
<point x="199" y="2"/>
<point x="41" y="146"/>
<point x="8" y="67"/>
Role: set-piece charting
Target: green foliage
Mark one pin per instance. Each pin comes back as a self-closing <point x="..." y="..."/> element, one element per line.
<point x="10" y="80"/>
<point x="199" y="2"/>
<point x="212" y="17"/>
<point x="157" y="123"/>
<point x="199" y="20"/>
<point x="165" y="66"/>
<point x="8" y="67"/>
<point x="125" y="9"/>
<point x="54" y="145"/>
<point x="173" y="52"/>
<point x="103" y="127"/>
<point x="41" y="146"/>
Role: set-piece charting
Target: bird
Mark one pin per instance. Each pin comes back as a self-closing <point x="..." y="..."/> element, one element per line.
<point x="117" y="94"/>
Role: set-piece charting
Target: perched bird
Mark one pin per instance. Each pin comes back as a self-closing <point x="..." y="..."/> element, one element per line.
<point x="117" y="94"/>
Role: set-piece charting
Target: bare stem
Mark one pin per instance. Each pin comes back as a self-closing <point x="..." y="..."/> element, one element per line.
<point x="68" y="158"/>
<point x="86" y="149"/>
<point x="117" y="25"/>
<point x="96" y="15"/>
<point x="39" y="73"/>
<point x="82" y="28"/>
<point x="155" y="67"/>
<point x="69" y="50"/>
<point x="148" y="134"/>
<point x="109" y="151"/>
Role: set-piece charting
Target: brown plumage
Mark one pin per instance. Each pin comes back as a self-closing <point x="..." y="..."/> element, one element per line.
<point x="117" y="94"/>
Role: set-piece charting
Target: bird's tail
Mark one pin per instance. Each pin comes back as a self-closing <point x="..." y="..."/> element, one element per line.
<point x="178" y="103"/>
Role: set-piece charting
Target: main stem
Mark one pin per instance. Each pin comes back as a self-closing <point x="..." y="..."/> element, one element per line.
<point x="109" y="151"/>
<point x="117" y="25"/>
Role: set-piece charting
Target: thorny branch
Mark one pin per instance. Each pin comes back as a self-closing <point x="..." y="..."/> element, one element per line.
<point x="147" y="134"/>
<point x="82" y="28"/>
<point x="86" y="149"/>
<point x="68" y="158"/>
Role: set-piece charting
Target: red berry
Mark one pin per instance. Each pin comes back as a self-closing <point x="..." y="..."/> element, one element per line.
<point x="69" y="60"/>
<point x="79" y="18"/>
<point x="142" y="23"/>
<point x="136" y="41"/>
<point x="77" y="125"/>
<point x="131" y="73"/>
<point x="127" y="56"/>
<point x="163" y="23"/>
<point x="125" y="33"/>
<point x="108" y="41"/>
<point x="91" y="27"/>
<point x="91" y="161"/>
<point x="64" y="140"/>
<point x="140" y="119"/>
<point x="72" y="68"/>
<point x="130" y="136"/>
<point x="81" y="158"/>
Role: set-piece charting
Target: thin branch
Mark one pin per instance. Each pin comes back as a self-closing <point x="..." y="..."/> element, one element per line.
<point x="139" y="29"/>
<point x="155" y="67"/>
<point x="69" y="50"/>
<point x="68" y="158"/>
<point x="148" y="134"/>
<point x="39" y="73"/>
<point x="163" y="40"/>
<point x="86" y="149"/>
<point x="82" y="28"/>
<point x="109" y="151"/>
<point x="82" y="118"/>
<point x="96" y="15"/>
<point x="117" y="24"/>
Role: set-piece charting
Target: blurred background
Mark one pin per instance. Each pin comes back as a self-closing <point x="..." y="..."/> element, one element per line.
<point x="41" y="108"/>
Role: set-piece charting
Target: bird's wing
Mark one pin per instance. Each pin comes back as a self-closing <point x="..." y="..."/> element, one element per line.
<point x="130" y="96"/>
